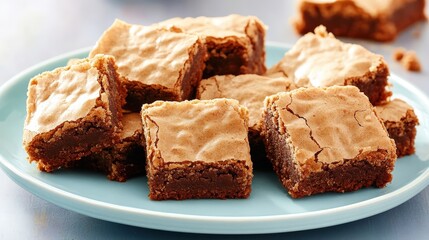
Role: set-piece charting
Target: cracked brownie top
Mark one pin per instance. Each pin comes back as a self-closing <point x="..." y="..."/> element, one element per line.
<point x="197" y="130"/>
<point x="249" y="89"/>
<point x="328" y="125"/>
<point x="65" y="94"/>
<point x="147" y="54"/>
<point x="321" y="60"/>
<point x="217" y="27"/>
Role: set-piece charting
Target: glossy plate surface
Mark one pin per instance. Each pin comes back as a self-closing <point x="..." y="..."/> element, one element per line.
<point x="268" y="210"/>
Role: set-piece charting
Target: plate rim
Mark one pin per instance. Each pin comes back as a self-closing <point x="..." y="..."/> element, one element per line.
<point x="395" y="198"/>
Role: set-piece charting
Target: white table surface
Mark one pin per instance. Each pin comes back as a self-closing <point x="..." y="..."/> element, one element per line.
<point x="33" y="31"/>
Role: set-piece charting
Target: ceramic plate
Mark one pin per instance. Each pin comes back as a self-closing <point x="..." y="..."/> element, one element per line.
<point x="268" y="210"/>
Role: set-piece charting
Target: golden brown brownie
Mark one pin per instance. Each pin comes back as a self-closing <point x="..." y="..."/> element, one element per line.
<point x="124" y="159"/>
<point x="197" y="149"/>
<point x="326" y="139"/>
<point x="72" y="112"/>
<point x="400" y="121"/>
<point x="376" y="20"/>
<point x="321" y="60"/>
<point x="235" y="43"/>
<point x="157" y="64"/>
<point x="250" y="90"/>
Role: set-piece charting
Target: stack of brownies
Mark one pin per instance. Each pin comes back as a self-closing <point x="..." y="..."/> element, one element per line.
<point x="187" y="99"/>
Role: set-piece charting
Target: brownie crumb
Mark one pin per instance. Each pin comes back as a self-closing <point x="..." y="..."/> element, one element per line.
<point x="417" y="33"/>
<point x="398" y="54"/>
<point x="408" y="59"/>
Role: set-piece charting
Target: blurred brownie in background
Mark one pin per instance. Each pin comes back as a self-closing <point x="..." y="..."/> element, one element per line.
<point x="368" y="19"/>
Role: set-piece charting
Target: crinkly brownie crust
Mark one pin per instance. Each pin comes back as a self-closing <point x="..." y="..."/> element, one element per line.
<point x="156" y="63"/>
<point x="311" y="155"/>
<point x="235" y="44"/>
<point x="57" y="134"/>
<point x="310" y="63"/>
<point x="188" y="152"/>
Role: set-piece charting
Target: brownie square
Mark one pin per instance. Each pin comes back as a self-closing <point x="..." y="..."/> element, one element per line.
<point x="197" y="149"/>
<point x="326" y="140"/>
<point x="126" y="158"/>
<point x="157" y="64"/>
<point x="375" y="20"/>
<point x="250" y="90"/>
<point x="321" y="60"/>
<point x="235" y="43"/>
<point x="400" y="121"/>
<point x="73" y="111"/>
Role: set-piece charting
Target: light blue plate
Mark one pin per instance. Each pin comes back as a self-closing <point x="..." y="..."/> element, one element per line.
<point x="269" y="208"/>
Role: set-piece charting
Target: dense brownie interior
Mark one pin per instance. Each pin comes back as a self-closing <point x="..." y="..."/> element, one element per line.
<point x="119" y="163"/>
<point x="140" y="93"/>
<point x="225" y="58"/>
<point x="350" y="176"/>
<point x="193" y="74"/>
<point x="111" y="84"/>
<point x="72" y="140"/>
<point x="404" y="138"/>
<point x="375" y="89"/>
<point x="72" y="143"/>
<point x="200" y="180"/>
<point x="361" y="24"/>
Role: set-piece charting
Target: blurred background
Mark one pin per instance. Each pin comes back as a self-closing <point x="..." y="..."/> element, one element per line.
<point x="36" y="30"/>
<point x="33" y="31"/>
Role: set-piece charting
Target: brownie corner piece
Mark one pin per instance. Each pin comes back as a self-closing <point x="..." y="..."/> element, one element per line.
<point x="153" y="63"/>
<point x="311" y="155"/>
<point x="72" y="111"/>
<point x="237" y="47"/>
<point x="353" y="65"/>
<point x="400" y="121"/>
<point x="189" y="150"/>
<point x="235" y="43"/>
<point x="250" y="90"/>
